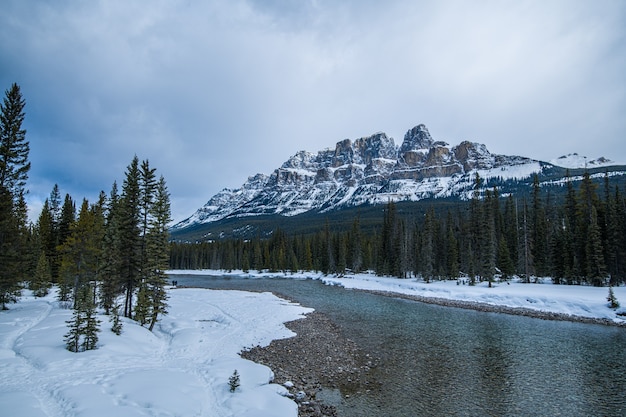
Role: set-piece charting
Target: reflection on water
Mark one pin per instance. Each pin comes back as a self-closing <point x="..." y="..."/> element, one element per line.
<point x="444" y="361"/>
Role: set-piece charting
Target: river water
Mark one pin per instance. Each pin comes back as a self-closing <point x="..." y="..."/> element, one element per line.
<point x="445" y="361"/>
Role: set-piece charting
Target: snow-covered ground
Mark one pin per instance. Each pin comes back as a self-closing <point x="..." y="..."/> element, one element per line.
<point x="575" y="300"/>
<point x="181" y="369"/>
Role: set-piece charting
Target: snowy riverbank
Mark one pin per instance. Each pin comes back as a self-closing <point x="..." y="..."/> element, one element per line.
<point x="182" y="369"/>
<point x="560" y="301"/>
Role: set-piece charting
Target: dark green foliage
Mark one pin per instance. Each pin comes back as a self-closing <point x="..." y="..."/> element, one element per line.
<point x="110" y="273"/>
<point x="233" y="381"/>
<point x="42" y="278"/>
<point x="80" y="253"/>
<point x="116" y="326"/>
<point x="14" y="147"/>
<point x="577" y="238"/>
<point x="84" y="326"/>
<point x="14" y="167"/>
<point x="130" y="234"/>
<point x="613" y="303"/>
<point x="142" y="306"/>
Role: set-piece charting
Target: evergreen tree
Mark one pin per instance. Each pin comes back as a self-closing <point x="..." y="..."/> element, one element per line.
<point x="142" y="306"/>
<point x="538" y="231"/>
<point x="596" y="269"/>
<point x="73" y="336"/>
<point x="41" y="281"/>
<point x="147" y="187"/>
<point x="157" y="251"/>
<point x="14" y="167"/>
<point x="129" y="234"/>
<point x="68" y="217"/>
<point x="452" y="249"/>
<point x="80" y="252"/>
<point x="84" y="325"/>
<point x="613" y="303"/>
<point x="9" y="251"/>
<point x="52" y="234"/>
<point x="116" y="326"/>
<point x="111" y="285"/>
<point x="14" y="147"/>
<point x="234" y="381"/>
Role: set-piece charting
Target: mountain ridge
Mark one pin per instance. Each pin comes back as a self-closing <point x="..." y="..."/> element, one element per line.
<point x="369" y="170"/>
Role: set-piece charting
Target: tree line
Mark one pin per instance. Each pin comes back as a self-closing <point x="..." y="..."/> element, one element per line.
<point x="109" y="254"/>
<point x="576" y="239"/>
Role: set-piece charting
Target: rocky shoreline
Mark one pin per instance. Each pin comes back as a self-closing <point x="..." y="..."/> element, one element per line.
<point x="319" y="356"/>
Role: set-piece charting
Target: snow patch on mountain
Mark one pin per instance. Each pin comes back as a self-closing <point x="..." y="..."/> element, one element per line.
<point x="574" y="161"/>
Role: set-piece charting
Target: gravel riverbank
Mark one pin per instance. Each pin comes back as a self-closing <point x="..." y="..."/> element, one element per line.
<point x="319" y="356"/>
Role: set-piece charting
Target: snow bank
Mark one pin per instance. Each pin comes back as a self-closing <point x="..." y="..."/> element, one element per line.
<point x="574" y="300"/>
<point x="181" y="369"/>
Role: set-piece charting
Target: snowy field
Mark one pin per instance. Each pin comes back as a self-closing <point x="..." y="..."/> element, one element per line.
<point x="182" y="369"/>
<point x="575" y="300"/>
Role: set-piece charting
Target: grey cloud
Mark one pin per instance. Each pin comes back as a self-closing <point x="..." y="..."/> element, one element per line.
<point x="211" y="92"/>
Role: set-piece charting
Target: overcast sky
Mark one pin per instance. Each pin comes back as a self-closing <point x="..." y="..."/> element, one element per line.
<point x="211" y="92"/>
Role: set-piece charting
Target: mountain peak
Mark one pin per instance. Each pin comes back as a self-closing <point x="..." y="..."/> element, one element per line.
<point x="369" y="170"/>
<point x="416" y="138"/>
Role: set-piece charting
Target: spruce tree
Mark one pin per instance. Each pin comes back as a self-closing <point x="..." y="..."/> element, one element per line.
<point x="80" y="253"/>
<point x="41" y="281"/>
<point x="613" y="303"/>
<point x="14" y="167"/>
<point x="129" y="234"/>
<point x="14" y="147"/>
<point x="158" y="251"/>
<point x="234" y="381"/>
<point x="111" y="285"/>
<point x="116" y="323"/>
<point x="84" y="326"/>
<point x="142" y="306"/>
<point x="596" y="269"/>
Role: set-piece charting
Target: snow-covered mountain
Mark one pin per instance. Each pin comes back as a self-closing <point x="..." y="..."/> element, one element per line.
<point x="368" y="170"/>
<point x="573" y="160"/>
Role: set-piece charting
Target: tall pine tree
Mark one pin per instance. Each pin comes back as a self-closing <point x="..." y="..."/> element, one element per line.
<point x="14" y="167"/>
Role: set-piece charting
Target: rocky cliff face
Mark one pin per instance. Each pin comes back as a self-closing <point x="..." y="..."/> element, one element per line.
<point x="369" y="170"/>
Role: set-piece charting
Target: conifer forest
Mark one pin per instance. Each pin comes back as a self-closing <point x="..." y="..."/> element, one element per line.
<point x="109" y="254"/>
<point x="579" y="238"/>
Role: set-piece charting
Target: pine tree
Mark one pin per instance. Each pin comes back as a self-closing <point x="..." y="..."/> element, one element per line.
<point x="68" y="217"/>
<point x="116" y="326"/>
<point x="14" y="147"/>
<point x="142" y="307"/>
<point x="84" y="325"/>
<point x="538" y="230"/>
<point x="452" y="249"/>
<point x="147" y="188"/>
<point x="234" y="381"/>
<point x="92" y="324"/>
<point x="613" y="303"/>
<point x="596" y="269"/>
<point x="41" y="282"/>
<point x="73" y="336"/>
<point x="158" y="251"/>
<point x="14" y="167"/>
<point x="111" y="285"/>
<point x="80" y="252"/>
<point x="129" y="227"/>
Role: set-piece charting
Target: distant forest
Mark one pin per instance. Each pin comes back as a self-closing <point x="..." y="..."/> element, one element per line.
<point x="577" y="239"/>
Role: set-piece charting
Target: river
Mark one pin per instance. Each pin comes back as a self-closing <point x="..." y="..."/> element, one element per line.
<point x="446" y="361"/>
